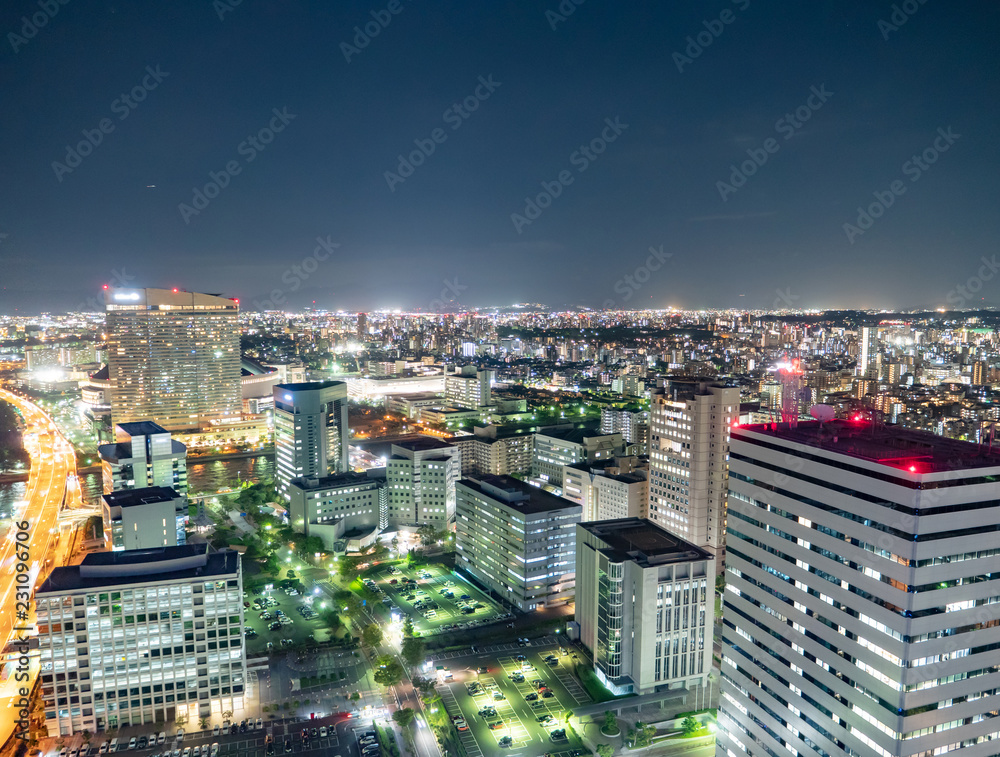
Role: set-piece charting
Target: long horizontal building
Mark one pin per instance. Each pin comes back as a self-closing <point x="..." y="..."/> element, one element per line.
<point x="517" y="540"/>
<point x="861" y="612"/>
<point x="140" y="637"/>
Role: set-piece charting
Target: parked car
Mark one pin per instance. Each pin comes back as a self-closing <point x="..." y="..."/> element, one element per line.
<point x="131" y="743"/>
<point x="215" y="731"/>
<point x="322" y="732"/>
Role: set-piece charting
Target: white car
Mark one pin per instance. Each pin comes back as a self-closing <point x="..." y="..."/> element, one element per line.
<point x="260" y="724"/>
<point x="216" y="730"/>
<point x="215" y="748"/>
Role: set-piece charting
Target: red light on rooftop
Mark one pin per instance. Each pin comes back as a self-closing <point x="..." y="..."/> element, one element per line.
<point x="105" y="286"/>
<point x="736" y="424"/>
<point x="175" y="290"/>
<point x="913" y="469"/>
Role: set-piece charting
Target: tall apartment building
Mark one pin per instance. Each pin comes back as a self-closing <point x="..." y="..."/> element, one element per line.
<point x="859" y="613"/>
<point x="420" y="477"/>
<point x="310" y="431"/>
<point x="644" y="604"/>
<point x="517" y="540"/>
<point x="143" y="455"/>
<point x="470" y="388"/>
<point x="490" y="450"/>
<point x="144" y="518"/>
<point x="556" y="448"/>
<point x="173" y="357"/>
<point x="342" y="507"/>
<point x="869" y="356"/>
<point x="689" y="460"/>
<point x="609" y="490"/>
<point x="633" y="425"/>
<point x="140" y="637"/>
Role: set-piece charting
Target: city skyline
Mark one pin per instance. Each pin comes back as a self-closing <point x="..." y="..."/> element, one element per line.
<point x="570" y="154"/>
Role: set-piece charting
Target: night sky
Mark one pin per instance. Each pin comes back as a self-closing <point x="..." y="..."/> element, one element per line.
<point x="456" y="229"/>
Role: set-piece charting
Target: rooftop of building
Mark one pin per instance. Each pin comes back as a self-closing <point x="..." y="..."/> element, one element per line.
<point x="136" y="566"/>
<point x="250" y="367"/>
<point x="134" y="497"/>
<point x="422" y="444"/>
<point x="643" y="542"/>
<point x="573" y="435"/>
<point x="905" y="449"/>
<point x="141" y="428"/>
<point x="339" y="480"/>
<point x="518" y="495"/>
<point x="114" y="453"/>
<point x="306" y="386"/>
<point x="103" y="374"/>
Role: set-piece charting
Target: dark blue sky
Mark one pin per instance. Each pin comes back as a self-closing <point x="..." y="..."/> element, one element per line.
<point x="450" y="223"/>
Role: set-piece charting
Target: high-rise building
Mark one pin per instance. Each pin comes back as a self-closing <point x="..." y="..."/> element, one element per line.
<point x="492" y="450"/>
<point x="470" y="388"/>
<point x="144" y="518"/>
<point x="173" y="357"/>
<point x="869" y="357"/>
<point x="644" y="604"/>
<point x="609" y="490"/>
<point x="141" y="637"/>
<point x="362" y="327"/>
<point x="689" y="460"/>
<point x="310" y="431"/>
<point x="859" y="615"/>
<point x="633" y="425"/>
<point x="143" y="455"/>
<point x="421" y="476"/>
<point x="516" y="540"/>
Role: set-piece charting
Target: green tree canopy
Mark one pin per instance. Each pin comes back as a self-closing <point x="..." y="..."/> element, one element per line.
<point x="388" y="671"/>
<point x="404" y="716"/>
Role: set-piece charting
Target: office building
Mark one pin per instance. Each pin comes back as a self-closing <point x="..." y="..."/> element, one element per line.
<point x="421" y="476"/>
<point x="173" y="357"/>
<point x="608" y="490"/>
<point x="348" y="507"/>
<point x="144" y="518"/>
<point x="688" y="460"/>
<point x="859" y="614"/>
<point x="143" y="455"/>
<point x="644" y="604"/>
<point x="310" y="431"/>
<point x="141" y="637"/>
<point x="470" y="388"/>
<point x="517" y="541"/>
<point x="555" y="448"/>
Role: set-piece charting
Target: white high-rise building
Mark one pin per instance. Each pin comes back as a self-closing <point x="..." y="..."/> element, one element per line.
<point x="869" y="357"/>
<point x="860" y="615"/>
<point x="420" y="479"/>
<point x="173" y="358"/>
<point x="689" y="460"/>
<point x="470" y="388"/>
<point x="143" y="455"/>
<point x="144" y="518"/>
<point x="517" y="540"/>
<point x="310" y="431"/>
<point x="610" y="490"/>
<point x="141" y="637"/>
<point x="644" y="603"/>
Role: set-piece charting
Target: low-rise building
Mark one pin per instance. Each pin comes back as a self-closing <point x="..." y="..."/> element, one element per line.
<point x="350" y="507"/>
<point x="144" y="518"/>
<point x="555" y="448"/>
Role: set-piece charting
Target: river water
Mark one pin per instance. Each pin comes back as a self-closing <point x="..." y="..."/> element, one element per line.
<point x="202" y="478"/>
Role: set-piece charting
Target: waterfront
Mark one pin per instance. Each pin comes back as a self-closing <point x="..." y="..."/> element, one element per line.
<point x="203" y="477"/>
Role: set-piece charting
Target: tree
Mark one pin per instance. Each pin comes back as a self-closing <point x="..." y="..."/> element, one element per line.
<point x="690" y="725"/>
<point x="407" y="627"/>
<point x="371" y="635"/>
<point x="605" y="750"/>
<point x="388" y="671"/>
<point x="349" y="602"/>
<point x="610" y="727"/>
<point x="331" y="619"/>
<point x="413" y="651"/>
<point x="404" y="717"/>
<point x="228" y="714"/>
<point x="203" y="723"/>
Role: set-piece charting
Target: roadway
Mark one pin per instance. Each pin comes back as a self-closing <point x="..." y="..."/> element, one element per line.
<point x="53" y="473"/>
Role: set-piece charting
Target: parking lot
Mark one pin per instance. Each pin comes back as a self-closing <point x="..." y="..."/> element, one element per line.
<point x="506" y="706"/>
<point x="435" y="599"/>
<point x="296" y="629"/>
